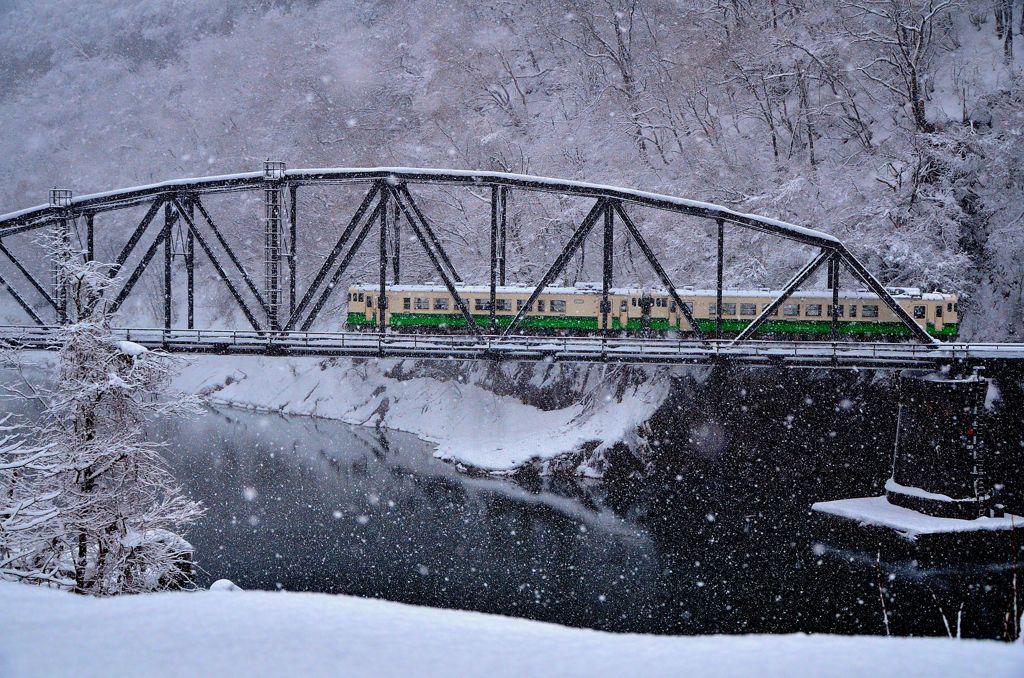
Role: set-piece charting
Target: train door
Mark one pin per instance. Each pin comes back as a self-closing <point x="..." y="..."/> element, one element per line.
<point x="646" y="303"/>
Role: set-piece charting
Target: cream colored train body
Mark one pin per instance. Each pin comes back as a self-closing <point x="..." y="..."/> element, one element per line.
<point x="576" y="310"/>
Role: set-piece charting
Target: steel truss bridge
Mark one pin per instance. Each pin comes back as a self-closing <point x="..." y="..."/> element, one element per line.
<point x="280" y="315"/>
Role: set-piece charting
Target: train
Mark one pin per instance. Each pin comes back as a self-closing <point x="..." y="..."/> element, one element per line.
<point x="575" y="310"/>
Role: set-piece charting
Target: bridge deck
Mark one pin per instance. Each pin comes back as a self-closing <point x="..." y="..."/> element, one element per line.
<point x="567" y="349"/>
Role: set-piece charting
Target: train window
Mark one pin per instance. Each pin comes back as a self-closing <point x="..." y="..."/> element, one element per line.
<point x="633" y="300"/>
<point x="839" y="310"/>
<point x="504" y="305"/>
<point x="406" y="303"/>
<point x="577" y="301"/>
<point x="949" y="306"/>
<point x="521" y="302"/>
<point x="919" y="312"/>
<point x="870" y="310"/>
<point x="764" y="307"/>
<point x="369" y="301"/>
<point x="440" y="304"/>
<point x="360" y="296"/>
<point x="540" y="305"/>
<point x="557" y="306"/>
<point x="672" y="308"/>
<point x="728" y="309"/>
<point x="350" y="296"/>
<point x="688" y="305"/>
<point x="748" y="309"/>
<point x="791" y="309"/>
<point x="421" y="303"/>
<point x="956" y="307"/>
<point x="813" y="310"/>
<point x="482" y="304"/>
<point x="623" y="306"/>
<point x="712" y="309"/>
<point x="853" y="310"/>
<point x="938" y="311"/>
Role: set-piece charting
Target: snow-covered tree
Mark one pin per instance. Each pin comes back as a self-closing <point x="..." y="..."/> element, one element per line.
<point x="86" y="501"/>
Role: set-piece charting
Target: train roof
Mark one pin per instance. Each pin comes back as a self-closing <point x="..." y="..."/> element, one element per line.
<point x="509" y="289"/>
<point x="591" y="288"/>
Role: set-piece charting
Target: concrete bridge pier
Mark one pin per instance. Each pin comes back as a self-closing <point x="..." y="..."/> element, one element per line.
<point x="940" y="505"/>
<point x="939" y="458"/>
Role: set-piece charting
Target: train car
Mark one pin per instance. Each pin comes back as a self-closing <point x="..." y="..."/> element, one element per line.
<point x="807" y="313"/>
<point x="426" y="307"/>
<point x="576" y="310"/>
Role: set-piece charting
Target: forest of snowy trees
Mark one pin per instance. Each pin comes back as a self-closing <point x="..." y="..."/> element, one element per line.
<point x="894" y="124"/>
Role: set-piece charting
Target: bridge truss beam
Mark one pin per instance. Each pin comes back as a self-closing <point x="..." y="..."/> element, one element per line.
<point x="388" y="202"/>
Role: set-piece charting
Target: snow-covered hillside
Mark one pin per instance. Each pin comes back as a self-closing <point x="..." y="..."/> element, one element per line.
<point x="894" y="124"/>
<point x="236" y="633"/>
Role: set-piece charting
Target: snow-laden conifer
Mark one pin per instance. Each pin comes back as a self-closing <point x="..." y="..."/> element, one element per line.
<point x="86" y="501"/>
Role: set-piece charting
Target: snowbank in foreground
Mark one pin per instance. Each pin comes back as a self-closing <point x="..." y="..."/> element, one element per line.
<point x="469" y="424"/>
<point x="222" y="633"/>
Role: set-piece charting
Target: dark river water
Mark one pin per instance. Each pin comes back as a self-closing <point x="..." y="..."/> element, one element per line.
<point x="721" y="541"/>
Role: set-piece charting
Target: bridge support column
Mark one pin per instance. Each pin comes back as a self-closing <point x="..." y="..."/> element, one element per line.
<point x="495" y="208"/>
<point x="61" y="197"/>
<point x="273" y="173"/>
<point x="91" y="294"/>
<point x="382" y="298"/>
<point x="90" y="237"/>
<point x="607" y="267"/>
<point x="938" y="464"/>
<point x="718" y="288"/>
<point x="293" y="210"/>
<point x="833" y="284"/>
<point x="502" y="232"/>
<point x="190" y="263"/>
<point x="396" y="244"/>
<point x="169" y="219"/>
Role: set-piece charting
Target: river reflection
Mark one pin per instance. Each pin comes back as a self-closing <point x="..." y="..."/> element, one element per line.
<point x="311" y="505"/>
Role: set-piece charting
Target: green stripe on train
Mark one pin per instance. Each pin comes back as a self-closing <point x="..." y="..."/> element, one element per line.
<point x="358" y="319"/>
<point x="824" y="327"/>
<point x="456" y="320"/>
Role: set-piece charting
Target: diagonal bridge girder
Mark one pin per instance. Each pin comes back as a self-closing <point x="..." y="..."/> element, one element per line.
<point x="393" y="184"/>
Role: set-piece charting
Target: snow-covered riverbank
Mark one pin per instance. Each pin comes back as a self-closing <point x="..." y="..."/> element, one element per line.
<point x="222" y="633"/>
<point x="471" y="424"/>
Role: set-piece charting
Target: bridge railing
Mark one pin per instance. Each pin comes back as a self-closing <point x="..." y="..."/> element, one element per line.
<point x="519" y="346"/>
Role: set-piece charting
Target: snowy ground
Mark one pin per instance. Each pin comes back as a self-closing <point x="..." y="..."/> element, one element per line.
<point x="222" y="633"/>
<point x="469" y="424"/>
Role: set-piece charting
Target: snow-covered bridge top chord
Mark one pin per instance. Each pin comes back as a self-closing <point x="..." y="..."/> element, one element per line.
<point x="247" y="180"/>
